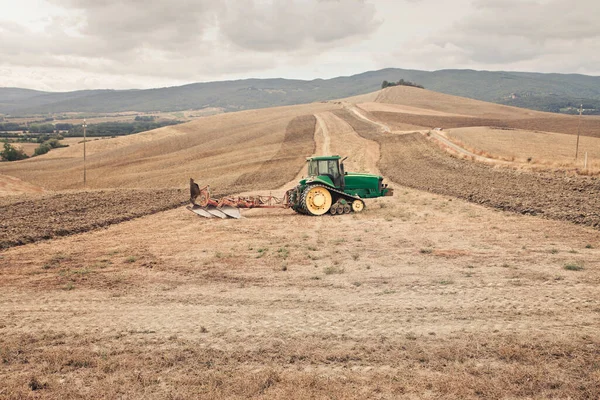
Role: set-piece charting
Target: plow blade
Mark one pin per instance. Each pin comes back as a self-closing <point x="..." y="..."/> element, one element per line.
<point x="216" y="212"/>
<point x="231" y="212"/>
<point x="212" y="211"/>
<point x="200" y="211"/>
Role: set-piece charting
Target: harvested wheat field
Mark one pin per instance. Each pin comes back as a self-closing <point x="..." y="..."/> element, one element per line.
<point x="422" y="295"/>
<point x="547" y="148"/>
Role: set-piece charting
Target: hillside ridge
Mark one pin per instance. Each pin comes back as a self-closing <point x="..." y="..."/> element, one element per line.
<point x="540" y="91"/>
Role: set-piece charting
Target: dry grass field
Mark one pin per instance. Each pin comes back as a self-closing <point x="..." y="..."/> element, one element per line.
<point x="126" y="116"/>
<point x="220" y="147"/>
<point x="423" y="295"/>
<point x="10" y="186"/>
<point x="546" y="148"/>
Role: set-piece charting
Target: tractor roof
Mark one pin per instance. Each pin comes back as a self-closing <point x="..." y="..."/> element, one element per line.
<point x="321" y="158"/>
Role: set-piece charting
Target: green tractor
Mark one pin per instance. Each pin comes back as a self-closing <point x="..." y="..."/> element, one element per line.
<point x="328" y="188"/>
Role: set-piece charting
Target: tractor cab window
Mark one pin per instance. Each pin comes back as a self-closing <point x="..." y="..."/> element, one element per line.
<point x="313" y="169"/>
<point x="323" y="167"/>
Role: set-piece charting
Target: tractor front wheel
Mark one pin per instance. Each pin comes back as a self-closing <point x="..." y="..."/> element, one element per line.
<point x="316" y="200"/>
<point x="357" y="205"/>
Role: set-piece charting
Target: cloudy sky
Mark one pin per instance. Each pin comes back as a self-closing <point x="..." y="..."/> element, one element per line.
<point x="63" y="45"/>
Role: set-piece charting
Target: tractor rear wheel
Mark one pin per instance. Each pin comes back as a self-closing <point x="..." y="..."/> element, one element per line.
<point x="316" y="200"/>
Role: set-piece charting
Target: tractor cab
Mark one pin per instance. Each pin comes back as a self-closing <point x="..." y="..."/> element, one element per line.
<point x="330" y="166"/>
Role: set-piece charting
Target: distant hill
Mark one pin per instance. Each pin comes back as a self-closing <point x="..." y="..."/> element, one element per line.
<point x="544" y="92"/>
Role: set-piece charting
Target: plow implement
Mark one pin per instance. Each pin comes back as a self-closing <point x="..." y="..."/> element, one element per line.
<point x="228" y="207"/>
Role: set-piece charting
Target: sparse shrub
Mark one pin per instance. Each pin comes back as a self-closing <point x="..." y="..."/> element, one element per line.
<point x="42" y="149"/>
<point x="11" y="153"/>
<point x="574" y="266"/>
<point x="283" y="252"/>
<point x="333" y="270"/>
<point x="261" y="252"/>
<point x="588" y="246"/>
<point x="34" y="384"/>
<point x="426" y="251"/>
<point x="130" y="259"/>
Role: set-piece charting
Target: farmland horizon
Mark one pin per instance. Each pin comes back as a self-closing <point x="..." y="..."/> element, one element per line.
<point x="553" y="92"/>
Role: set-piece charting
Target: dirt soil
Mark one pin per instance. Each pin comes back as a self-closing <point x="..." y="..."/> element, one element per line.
<point x="568" y="125"/>
<point x="30" y="219"/>
<point x="411" y="160"/>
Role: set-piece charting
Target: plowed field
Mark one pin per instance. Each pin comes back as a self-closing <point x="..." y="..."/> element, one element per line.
<point x="568" y="125"/>
<point x="413" y="161"/>
<point x="45" y="217"/>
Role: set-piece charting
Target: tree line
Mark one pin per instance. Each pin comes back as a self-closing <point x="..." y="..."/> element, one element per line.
<point x="401" y="82"/>
<point x="140" y="124"/>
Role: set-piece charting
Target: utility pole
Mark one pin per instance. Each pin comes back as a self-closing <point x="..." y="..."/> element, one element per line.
<point x="84" y="140"/>
<point x="578" y="127"/>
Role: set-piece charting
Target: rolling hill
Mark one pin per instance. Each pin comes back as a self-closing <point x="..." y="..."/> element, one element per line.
<point x="545" y="92"/>
<point x="118" y="290"/>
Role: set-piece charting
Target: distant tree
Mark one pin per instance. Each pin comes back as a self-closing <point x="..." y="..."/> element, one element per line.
<point x="145" y="118"/>
<point x="41" y="128"/>
<point x="401" y="82"/>
<point x="12" y="154"/>
<point x="42" y="149"/>
<point x="63" y="126"/>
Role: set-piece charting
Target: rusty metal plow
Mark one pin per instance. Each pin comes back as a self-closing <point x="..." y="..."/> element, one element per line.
<point x="204" y="205"/>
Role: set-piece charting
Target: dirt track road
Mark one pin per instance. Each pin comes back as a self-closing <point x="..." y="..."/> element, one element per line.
<point x="412" y="161"/>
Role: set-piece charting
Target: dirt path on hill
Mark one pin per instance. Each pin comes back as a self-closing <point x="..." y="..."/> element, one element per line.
<point x="360" y="114"/>
<point x="411" y="160"/>
<point x="448" y="144"/>
<point x="343" y="140"/>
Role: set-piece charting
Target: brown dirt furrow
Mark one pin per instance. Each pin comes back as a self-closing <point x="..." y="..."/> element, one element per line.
<point x="30" y="219"/>
<point x="560" y="124"/>
<point x="298" y="143"/>
<point x="411" y="160"/>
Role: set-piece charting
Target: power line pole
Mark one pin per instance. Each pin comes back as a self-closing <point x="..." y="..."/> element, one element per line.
<point x="578" y="127"/>
<point x="84" y="140"/>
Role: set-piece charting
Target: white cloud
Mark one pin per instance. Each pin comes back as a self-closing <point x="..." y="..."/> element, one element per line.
<point x="181" y="40"/>
<point x="545" y="36"/>
<point x="62" y="44"/>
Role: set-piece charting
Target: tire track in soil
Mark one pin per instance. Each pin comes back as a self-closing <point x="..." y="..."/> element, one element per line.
<point x="412" y="161"/>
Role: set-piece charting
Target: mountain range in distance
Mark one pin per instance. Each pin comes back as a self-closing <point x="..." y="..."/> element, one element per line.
<point x="538" y="91"/>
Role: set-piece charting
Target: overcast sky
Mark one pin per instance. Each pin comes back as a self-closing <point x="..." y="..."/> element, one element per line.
<point x="61" y="45"/>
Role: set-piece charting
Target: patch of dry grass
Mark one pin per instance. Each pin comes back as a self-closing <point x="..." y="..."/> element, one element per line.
<point x="214" y="150"/>
<point x="541" y="149"/>
<point x="52" y="365"/>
